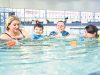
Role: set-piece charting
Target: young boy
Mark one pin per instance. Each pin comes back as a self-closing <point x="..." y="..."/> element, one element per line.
<point x="38" y="31"/>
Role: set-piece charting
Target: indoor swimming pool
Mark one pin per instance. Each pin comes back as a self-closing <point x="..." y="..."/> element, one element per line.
<point x="50" y="57"/>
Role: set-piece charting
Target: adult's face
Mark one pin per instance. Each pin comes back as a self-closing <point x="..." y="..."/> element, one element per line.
<point x="14" y="26"/>
<point x="60" y="26"/>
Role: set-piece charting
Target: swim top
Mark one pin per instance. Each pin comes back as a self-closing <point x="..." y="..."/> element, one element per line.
<point x="64" y="33"/>
<point x="16" y="38"/>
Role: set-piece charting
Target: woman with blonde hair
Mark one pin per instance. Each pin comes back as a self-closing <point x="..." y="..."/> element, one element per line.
<point x="13" y="30"/>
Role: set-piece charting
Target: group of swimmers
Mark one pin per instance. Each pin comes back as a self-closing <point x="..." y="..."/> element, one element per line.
<point x="14" y="32"/>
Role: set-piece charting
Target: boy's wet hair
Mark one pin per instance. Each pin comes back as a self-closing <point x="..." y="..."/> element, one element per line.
<point x="38" y="25"/>
<point x="91" y="29"/>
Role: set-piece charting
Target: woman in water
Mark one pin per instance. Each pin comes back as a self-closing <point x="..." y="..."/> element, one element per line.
<point x="13" y="30"/>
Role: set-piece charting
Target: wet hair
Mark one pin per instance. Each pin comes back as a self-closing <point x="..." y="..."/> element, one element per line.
<point x="37" y="22"/>
<point x="60" y="21"/>
<point x="10" y="19"/>
<point x="38" y="25"/>
<point x="92" y="29"/>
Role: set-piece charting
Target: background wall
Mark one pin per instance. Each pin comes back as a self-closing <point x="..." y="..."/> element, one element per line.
<point x="74" y="5"/>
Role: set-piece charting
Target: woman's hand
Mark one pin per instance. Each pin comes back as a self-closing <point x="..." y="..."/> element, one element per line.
<point x="11" y="43"/>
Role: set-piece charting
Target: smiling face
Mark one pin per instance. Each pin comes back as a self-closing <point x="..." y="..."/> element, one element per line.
<point x="14" y="26"/>
<point x="38" y="30"/>
<point x="60" y="26"/>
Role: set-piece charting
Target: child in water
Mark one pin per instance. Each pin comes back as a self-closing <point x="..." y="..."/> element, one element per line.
<point x="89" y="38"/>
<point x="38" y="31"/>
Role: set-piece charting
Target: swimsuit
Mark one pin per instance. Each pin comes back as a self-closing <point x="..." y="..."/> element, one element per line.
<point x="16" y="38"/>
<point x="64" y="33"/>
<point x="37" y="37"/>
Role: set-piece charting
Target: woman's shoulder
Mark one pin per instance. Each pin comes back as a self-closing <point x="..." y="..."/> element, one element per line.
<point x="4" y="36"/>
<point x="24" y="32"/>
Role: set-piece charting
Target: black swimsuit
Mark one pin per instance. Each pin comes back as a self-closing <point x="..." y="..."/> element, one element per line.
<point x="15" y="38"/>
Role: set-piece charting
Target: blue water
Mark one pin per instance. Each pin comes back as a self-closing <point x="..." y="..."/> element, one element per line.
<point x="50" y="57"/>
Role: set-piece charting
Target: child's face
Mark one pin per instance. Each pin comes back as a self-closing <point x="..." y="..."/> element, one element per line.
<point x="38" y="30"/>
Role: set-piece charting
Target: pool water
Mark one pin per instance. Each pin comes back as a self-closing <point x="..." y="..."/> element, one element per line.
<point x="50" y="57"/>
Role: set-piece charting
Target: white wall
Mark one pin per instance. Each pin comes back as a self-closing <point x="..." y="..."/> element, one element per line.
<point x="4" y="3"/>
<point x="74" y="5"/>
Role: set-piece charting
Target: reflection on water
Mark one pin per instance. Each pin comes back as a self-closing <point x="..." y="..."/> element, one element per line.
<point x="50" y="57"/>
